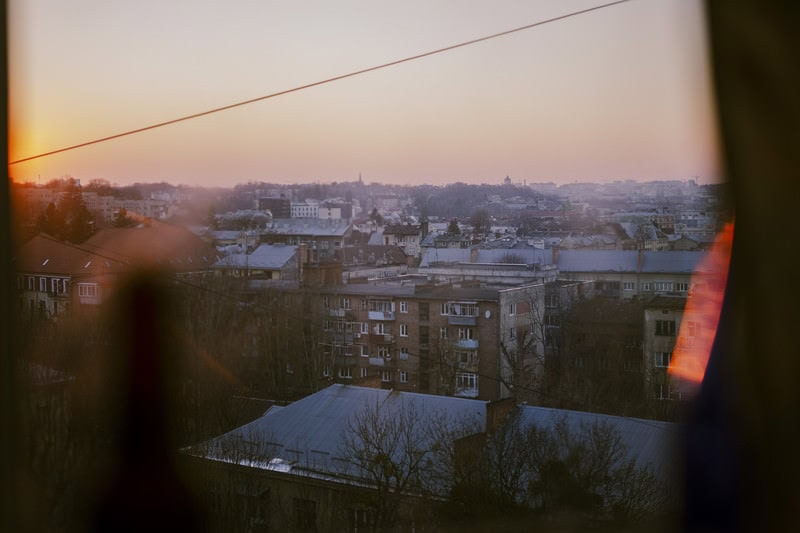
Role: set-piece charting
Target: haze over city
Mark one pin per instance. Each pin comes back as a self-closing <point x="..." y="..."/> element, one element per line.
<point x="618" y="93"/>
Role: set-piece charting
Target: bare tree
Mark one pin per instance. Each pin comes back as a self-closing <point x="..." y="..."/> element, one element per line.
<point x="585" y="472"/>
<point x="403" y="454"/>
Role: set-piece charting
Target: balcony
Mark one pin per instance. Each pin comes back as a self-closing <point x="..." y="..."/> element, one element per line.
<point x="466" y="344"/>
<point x="381" y="315"/>
<point x="462" y="320"/>
<point x="377" y="361"/>
<point x="340" y="312"/>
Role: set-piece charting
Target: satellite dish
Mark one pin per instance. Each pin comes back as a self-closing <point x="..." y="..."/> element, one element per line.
<point x="487" y="314"/>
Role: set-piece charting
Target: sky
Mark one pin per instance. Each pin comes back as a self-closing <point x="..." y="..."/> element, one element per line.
<point x="615" y="94"/>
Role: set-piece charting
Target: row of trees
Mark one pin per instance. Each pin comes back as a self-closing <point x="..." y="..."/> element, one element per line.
<point x="516" y="476"/>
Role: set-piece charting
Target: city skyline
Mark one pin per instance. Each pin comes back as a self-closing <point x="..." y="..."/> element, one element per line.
<point x="616" y="94"/>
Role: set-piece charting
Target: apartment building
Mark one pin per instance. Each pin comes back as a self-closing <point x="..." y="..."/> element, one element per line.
<point x="54" y="277"/>
<point x="628" y="273"/>
<point x="441" y="339"/>
<point x="324" y="238"/>
<point x="664" y="316"/>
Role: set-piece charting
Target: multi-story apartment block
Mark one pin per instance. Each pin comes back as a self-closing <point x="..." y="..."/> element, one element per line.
<point x="108" y="206"/>
<point x="324" y="238"/>
<point x="54" y="277"/>
<point x="625" y="274"/>
<point x="305" y="210"/>
<point x="663" y="318"/>
<point x="442" y="339"/>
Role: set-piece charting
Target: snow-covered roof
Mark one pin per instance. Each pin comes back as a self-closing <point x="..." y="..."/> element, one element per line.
<point x="651" y="442"/>
<point x="672" y="262"/>
<point x="528" y="255"/>
<point x="267" y="256"/>
<point x="307" y="437"/>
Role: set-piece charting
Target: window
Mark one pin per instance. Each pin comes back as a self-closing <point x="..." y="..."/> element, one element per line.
<point x="325" y="302"/>
<point x="384" y="306"/>
<point x="346" y="372"/>
<point x="381" y="329"/>
<point x="662" y="286"/>
<point x="466" y="359"/>
<point x="363" y="305"/>
<point x="551" y="300"/>
<point x="665" y="328"/>
<point x="346" y="303"/>
<point x="445" y="309"/>
<point x="628" y="285"/>
<point x="365" y="328"/>
<point x="305" y="514"/>
<point x="466" y="333"/>
<point x="512" y="333"/>
<point x="386" y="376"/>
<point x="466" y="380"/>
<point x="404" y="353"/>
<point x="646" y="286"/>
<point x="360" y="520"/>
<point x="42" y="284"/>
<point x="404" y="330"/>
<point x="443" y="333"/>
<point x="326" y="371"/>
<point x="461" y="309"/>
<point x="87" y="290"/>
<point x="682" y="286"/>
<point x="404" y="306"/>
<point x="512" y="309"/>
<point x="662" y="359"/>
<point x="665" y="392"/>
<point x="404" y="376"/>
<point x="383" y="351"/>
<point x="364" y="351"/>
<point x="31" y="283"/>
<point x="364" y="372"/>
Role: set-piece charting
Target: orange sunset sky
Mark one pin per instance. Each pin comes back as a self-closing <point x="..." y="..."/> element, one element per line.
<point x="619" y="93"/>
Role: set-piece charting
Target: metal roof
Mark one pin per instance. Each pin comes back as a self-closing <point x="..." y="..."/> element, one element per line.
<point x="529" y="255"/>
<point x="309" y="434"/>
<point x="672" y="262"/>
<point x="269" y="256"/>
<point x="308" y="226"/>
<point x="47" y="256"/>
<point x="651" y="442"/>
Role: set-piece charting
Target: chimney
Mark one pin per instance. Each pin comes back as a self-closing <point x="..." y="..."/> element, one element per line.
<point x="473" y="255"/>
<point x="497" y="412"/>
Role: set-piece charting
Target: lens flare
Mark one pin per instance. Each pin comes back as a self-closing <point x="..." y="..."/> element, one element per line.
<point x="701" y="315"/>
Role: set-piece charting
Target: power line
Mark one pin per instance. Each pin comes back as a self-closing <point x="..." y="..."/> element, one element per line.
<point x="317" y="83"/>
